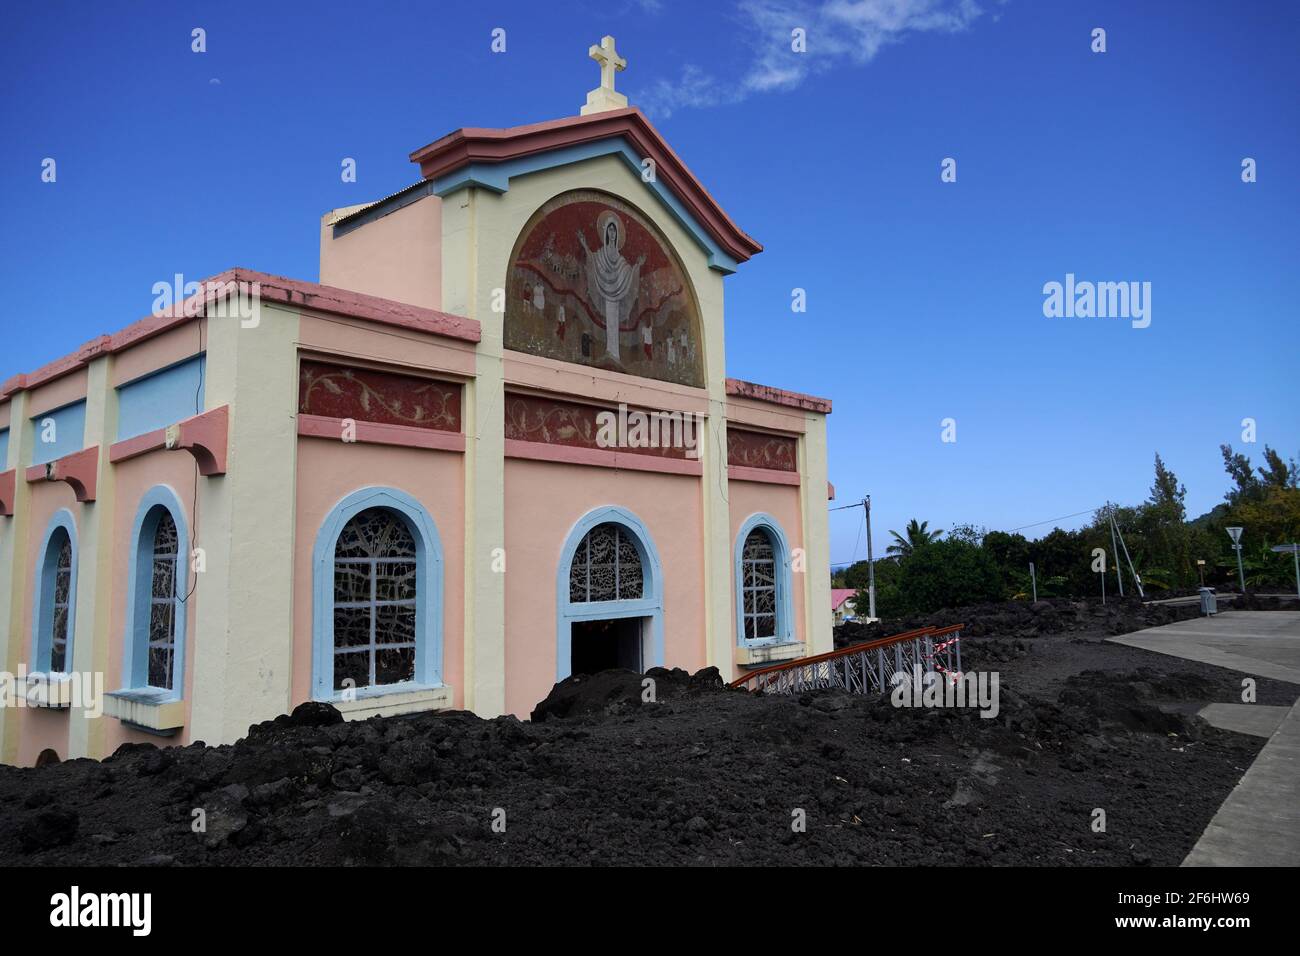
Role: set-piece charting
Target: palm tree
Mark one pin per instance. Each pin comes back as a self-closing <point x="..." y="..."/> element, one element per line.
<point x="917" y="535"/>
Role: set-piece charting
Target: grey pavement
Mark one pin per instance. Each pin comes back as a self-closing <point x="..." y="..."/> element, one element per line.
<point x="1259" y="823"/>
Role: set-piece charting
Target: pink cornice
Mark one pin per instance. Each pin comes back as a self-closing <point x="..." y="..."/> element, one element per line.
<point x="473" y="145"/>
<point x="768" y="475"/>
<point x="778" y="396"/>
<point x="271" y="289"/>
<point x="8" y="482"/>
<point x="139" y="445"/>
<point x="78" y="469"/>
<point x="375" y="433"/>
<point x="600" y="457"/>
<point x="204" y="436"/>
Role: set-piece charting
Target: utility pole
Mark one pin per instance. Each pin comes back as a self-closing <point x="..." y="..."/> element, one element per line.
<point x="1033" y="581"/>
<point x="871" y="562"/>
<point x="1137" y="578"/>
<point x="1114" y="548"/>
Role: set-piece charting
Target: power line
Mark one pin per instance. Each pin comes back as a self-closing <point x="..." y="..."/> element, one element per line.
<point x="1050" y="520"/>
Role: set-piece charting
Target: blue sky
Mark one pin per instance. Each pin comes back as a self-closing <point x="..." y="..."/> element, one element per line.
<point x="924" y="298"/>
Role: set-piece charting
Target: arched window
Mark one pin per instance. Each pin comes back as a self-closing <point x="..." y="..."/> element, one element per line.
<point x="164" y="603"/>
<point x="377" y="597"/>
<point x="606" y="567"/>
<point x="763" y="590"/>
<point x="758" y="585"/>
<point x="375" y="593"/>
<point x="62" y="605"/>
<point x="158" y="595"/>
<point x="56" y="597"/>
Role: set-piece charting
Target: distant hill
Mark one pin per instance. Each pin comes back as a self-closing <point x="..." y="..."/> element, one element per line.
<point x="1218" y="513"/>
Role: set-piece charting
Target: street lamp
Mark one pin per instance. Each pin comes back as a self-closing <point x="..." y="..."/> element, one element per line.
<point x="1235" y="535"/>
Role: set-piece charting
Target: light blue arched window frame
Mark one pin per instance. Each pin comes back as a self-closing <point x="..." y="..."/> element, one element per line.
<point x="650" y="605"/>
<point x="158" y="589"/>
<point x="764" y="613"/>
<point x="428" y="597"/>
<point x="54" y="609"/>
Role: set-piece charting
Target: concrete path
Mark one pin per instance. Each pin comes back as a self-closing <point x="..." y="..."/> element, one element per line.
<point x="1257" y="720"/>
<point x="1263" y="643"/>
<point x="1259" y="823"/>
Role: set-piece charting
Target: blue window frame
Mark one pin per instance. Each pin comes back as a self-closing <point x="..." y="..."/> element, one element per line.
<point x="763" y="588"/>
<point x="55" y="608"/>
<point x="157" y="591"/>
<point x="609" y="568"/>
<point x="377" y="597"/>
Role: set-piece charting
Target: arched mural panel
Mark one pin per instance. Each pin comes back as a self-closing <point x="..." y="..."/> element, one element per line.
<point x="592" y="281"/>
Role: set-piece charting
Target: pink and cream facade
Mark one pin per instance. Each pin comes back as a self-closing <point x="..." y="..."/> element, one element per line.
<point x="494" y="446"/>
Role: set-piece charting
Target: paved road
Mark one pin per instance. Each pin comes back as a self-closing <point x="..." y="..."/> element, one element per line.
<point x="1259" y="823"/>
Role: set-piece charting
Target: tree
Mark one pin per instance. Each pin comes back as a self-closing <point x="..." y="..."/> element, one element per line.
<point x="1010" y="552"/>
<point x="1162" y="524"/>
<point x="917" y="536"/>
<point x="856" y="576"/>
<point x="944" y="574"/>
<point x="1243" y="476"/>
<point x="1167" y="494"/>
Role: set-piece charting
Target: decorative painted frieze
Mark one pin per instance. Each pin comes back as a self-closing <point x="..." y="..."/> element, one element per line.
<point x="386" y="398"/>
<point x="552" y="421"/>
<point x="749" y="449"/>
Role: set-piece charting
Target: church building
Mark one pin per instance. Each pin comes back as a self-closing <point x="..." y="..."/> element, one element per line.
<point x="494" y="446"/>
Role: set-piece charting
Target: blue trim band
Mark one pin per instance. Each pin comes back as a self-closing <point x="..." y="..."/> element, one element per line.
<point x="496" y="177"/>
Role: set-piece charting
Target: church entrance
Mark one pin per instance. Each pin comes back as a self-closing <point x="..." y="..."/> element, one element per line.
<point x="610" y="600"/>
<point x="602" y="645"/>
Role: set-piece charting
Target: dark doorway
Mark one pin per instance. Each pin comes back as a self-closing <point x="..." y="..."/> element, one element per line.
<point x="601" y="645"/>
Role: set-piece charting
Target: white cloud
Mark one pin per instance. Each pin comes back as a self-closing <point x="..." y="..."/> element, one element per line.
<point x="839" y="32"/>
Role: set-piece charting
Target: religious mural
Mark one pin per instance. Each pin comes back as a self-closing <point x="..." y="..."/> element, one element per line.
<point x="369" y="395"/>
<point x="591" y="282"/>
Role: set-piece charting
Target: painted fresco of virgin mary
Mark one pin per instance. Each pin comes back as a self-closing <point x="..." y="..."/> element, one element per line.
<point x="612" y="282"/>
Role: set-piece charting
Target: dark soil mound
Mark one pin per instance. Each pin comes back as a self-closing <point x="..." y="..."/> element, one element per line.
<point x="1018" y="620"/>
<point x="702" y="775"/>
<point x="617" y="692"/>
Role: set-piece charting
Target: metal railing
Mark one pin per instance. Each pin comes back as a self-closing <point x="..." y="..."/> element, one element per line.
<point x="866" y="668"/>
